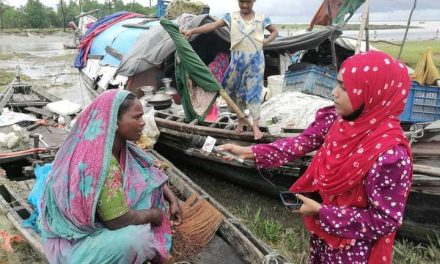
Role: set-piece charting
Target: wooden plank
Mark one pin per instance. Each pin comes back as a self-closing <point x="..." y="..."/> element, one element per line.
<point x="6" y="96"/>
<point x="136" y="26"/>
<point x="39" y="111"/>
<point x="19" y="97"/>
<point x="419" y="232"/>
<point x="24" y="104"/>
<point x="113" y="52"/>
<point x="31" y="237"/>
<point x="427" y="170"/>
<point x="50" y="97"/>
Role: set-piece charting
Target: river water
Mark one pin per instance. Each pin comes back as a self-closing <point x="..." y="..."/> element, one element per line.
<point x="420" y="30"/>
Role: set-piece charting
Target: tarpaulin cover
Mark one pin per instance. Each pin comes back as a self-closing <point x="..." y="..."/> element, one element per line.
<point x="98" y="27"/>
<point x="189" y="65"/>
<point x="154" y="45"/>
<point x="41" y="173"/>
<point x="426" y="73"/>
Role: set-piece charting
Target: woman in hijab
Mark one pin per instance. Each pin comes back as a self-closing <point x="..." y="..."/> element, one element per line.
<point x="105" y="201"/>
<point x="362" y="169"/>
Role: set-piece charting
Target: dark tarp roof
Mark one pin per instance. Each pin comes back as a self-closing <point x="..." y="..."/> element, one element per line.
<point x="155" y="45"/>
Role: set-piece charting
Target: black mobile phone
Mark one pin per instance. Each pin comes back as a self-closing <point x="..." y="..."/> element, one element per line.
<point x="290" y="200"/>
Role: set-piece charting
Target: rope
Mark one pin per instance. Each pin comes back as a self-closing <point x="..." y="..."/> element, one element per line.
<point x="19" y="153"/>
<point x="275" y="258"/>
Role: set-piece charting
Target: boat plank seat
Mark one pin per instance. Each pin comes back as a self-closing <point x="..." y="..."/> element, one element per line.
<point x="45" y="94"/>
<point x="19" y="97"/>
<point x="39" y="111"/>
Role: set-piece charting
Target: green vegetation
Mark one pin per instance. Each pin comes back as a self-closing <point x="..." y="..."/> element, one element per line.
<point x="292" y="242"/>
<point x="407" y="252"/>
<point x="412" y="51"/>
<point x="377" y="27"/>
<point x="13" y="55"/>
<point x="34" y="31"/>
<point x="36" y="15"/>
<point x="6" y="78"/>
<point x="291" y="26"/>
<point x="284" y="231"/>
<point x="346" y="27"/>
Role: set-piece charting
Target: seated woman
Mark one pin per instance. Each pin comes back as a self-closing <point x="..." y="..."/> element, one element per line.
<point x="362" y="169"/>
<point x="104" y="201"/>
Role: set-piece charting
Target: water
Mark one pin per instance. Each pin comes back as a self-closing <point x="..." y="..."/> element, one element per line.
<point x="426" y="30"/>
<point x="46" y="62"/>
<point x="35" y="43"/>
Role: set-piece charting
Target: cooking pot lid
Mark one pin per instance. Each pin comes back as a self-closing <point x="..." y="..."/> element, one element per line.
<point x="159" y="98"/>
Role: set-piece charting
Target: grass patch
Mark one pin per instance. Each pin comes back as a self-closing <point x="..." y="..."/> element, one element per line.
<point x="291" y="26"/>
<point x="409" y="252"/>
<point x="6" y="78"/>
<point x="292" y="243"/>
<point x="14" y="55"/>
<point x="64" y="57"/>
<point x="412" y="51"/>
<point x="35" y="31"/>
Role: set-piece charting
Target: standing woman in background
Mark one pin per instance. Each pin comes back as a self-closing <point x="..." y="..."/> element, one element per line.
<point x="243" y="79"/>
<point x="362" y="169"/>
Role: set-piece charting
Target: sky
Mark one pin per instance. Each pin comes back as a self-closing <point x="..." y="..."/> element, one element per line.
<point x="297" y="11"/>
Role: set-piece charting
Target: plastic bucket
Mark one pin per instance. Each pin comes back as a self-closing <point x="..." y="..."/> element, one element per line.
<point x="275" y="84"/>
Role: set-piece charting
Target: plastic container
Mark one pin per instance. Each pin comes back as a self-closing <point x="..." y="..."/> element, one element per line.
<point x="423" y="104"/>
<point x="313" y="79"/>
<point x="275" y="84"/>
<point x="275" y="129"/>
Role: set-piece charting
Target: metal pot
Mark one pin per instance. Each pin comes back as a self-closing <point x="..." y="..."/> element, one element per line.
<point x="169" y="90"/>
<point x="148" y="93"/>
<point x="160" y="101"/>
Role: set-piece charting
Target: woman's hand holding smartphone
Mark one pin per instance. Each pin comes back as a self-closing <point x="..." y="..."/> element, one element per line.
<point x="301" y="203"/>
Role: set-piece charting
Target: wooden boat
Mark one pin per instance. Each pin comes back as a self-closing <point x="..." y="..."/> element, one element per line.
<point x="420" y="223"/>
<point x="41" y="137"/>
<point x="233" y="242"/>
<point x="23" y="97"/>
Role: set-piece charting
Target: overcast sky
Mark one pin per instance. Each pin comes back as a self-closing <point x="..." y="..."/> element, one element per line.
<point x="303" y="10"/>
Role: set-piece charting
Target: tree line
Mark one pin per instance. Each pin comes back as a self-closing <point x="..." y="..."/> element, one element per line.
<point x="34" y="14"/>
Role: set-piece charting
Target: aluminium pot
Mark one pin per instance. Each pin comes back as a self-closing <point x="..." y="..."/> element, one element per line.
<point x="160" y="101"/>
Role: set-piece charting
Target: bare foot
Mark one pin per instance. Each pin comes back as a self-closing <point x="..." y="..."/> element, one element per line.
<point x="256" y="129"/>
<point x="257" y="133"/>
<point x="240" y="125"/>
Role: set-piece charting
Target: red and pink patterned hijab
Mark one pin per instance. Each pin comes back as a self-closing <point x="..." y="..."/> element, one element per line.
<point x="381" y="85"/>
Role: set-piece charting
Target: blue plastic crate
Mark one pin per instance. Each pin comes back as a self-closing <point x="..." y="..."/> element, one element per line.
<point x="313" y="79"/>
<point x="423" y="104"/>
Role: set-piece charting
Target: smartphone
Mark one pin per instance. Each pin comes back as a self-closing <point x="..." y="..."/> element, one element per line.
<point x="293" y="203"/>
<point x="290" y="200"/>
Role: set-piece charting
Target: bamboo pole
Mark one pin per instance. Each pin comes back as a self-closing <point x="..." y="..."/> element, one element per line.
<point x="367" y="33"/>
<point x="234" y="107"/>
<point x="407" y="28"/>
<point x="362" y="27"/>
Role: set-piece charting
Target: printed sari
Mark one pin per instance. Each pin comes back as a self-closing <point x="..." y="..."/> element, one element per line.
<point x="71" y="231"/>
